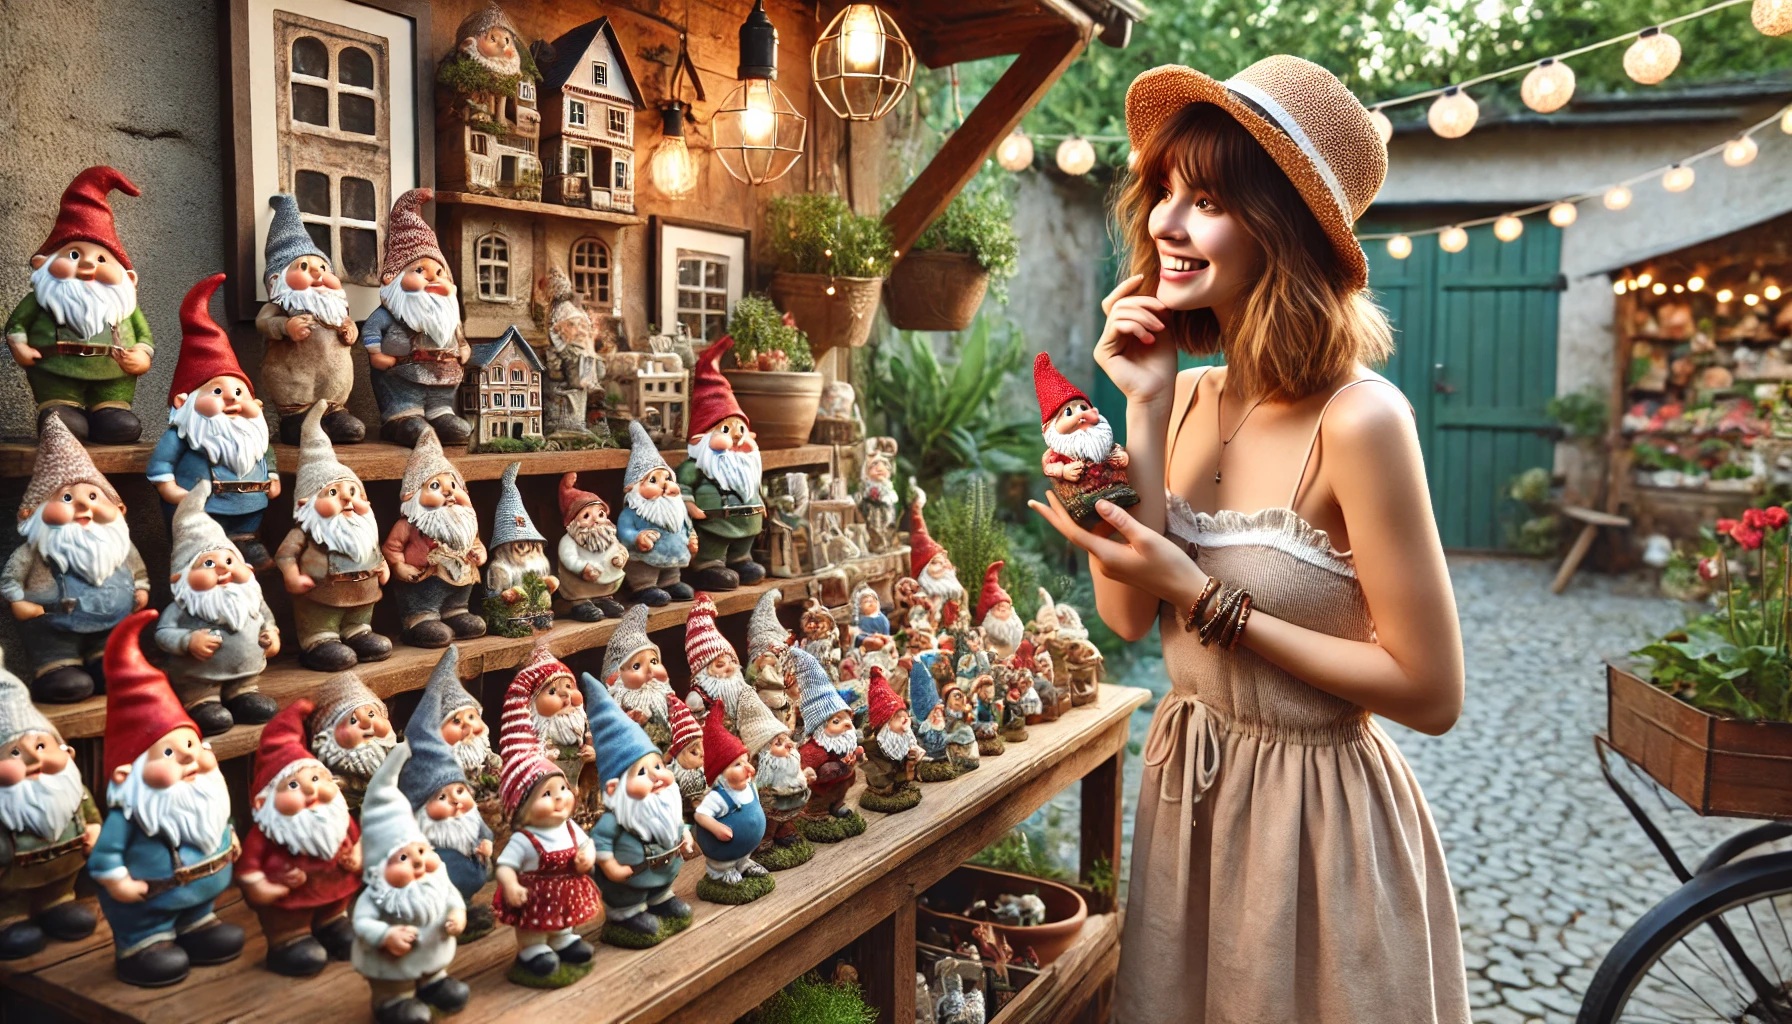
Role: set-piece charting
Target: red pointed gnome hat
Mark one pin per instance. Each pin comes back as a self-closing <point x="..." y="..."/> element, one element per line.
<point x="881" y="702"/>
<point x="720" y="747"/>
<point x="140" y="705"/>
<point x="1023" y="655"/>
<point x="573" y="500"/>
<point x="409" y="237"/>
<point x="86" y="216"/>
<point x="993" y="594"/>
<point x="712" y="397"/>
<point x="921" y="545"/>
<point x="282" y="743"/>
<point x="205" y="350"/>
<point x="1053" y="388"/>
<point x="684" y="724"/>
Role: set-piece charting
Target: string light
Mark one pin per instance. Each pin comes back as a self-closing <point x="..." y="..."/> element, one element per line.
<point x="1750" y="299"/>
<point x="1075" y="156"/>
<point x="1772" y="17"/>
<point x="1619" y="287"/>
<point x="1617" y="197"/>
<point x="1678" y="178"/>
<point x="1645" y="279"/>
<point x="1653" y="56"/>
<point x="1548" y="85"/>
<point x="1400" y="246"/>
<point x="1384" y="128"/>
<point x="1695" y="283"/>
<point x="1453" y="239"/>
<point x="1016" y="151"/>
<point x="1508" y="228"/>
<point x="1659" y="288"/>
<point x="1725" y="295"/>
<point x="1771" y="293"/>
<point x="1741" y="151"/>
<point x="1453" y="114"/>
<point x="1563" y="214"/>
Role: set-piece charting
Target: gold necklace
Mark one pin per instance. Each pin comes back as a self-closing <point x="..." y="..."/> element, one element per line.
<point x="1218" y="413"/>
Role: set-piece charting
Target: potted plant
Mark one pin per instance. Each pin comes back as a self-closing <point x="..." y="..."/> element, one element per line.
<point x="1655" y="466"/>
<point x="973" y="893"/>
<point x="939" y="283"/>
<point x="831" y="265"/>
<point x="773" y="375"/>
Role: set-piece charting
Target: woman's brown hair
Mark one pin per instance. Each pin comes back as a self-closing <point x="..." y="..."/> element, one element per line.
<point x="1298" y="330"/>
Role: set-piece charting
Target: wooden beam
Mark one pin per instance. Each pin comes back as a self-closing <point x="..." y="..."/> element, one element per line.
<point x="1102" y="796"/>
<point x="885" y="958"/>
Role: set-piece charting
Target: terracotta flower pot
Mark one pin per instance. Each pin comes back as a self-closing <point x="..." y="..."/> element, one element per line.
<point x="781" y="404"/>
<point x="840" y="320"/>
<point x="935" y="291"/>
<point x="1065" y="910"/>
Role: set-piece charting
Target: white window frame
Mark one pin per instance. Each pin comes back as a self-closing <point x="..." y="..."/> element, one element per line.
<point x="600" y="73"/>
<point x="703" y="313"/>
<point x="621" y="171"/>
<point x="491" y="251"/>
<point x="575" y="113"/>
<point x="618" y="122"/>
<point x="580" y="151"/>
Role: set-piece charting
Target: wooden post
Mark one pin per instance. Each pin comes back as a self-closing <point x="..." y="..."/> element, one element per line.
<point x="885" y="958"/>
<point x="1103" y="792"/>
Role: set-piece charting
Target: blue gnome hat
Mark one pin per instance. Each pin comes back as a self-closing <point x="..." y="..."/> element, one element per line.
<point x="511" y="523"/>
<point x="445" y="683"/>
<point x="923" y="693"/>
<point x="432" y="764"/>
<point x="820" y="701"/>
<point x="287" y="237"/>
<point x="618" y="741"/>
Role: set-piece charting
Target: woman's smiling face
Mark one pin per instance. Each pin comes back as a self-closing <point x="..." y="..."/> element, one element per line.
<point x="1206" y="259"/>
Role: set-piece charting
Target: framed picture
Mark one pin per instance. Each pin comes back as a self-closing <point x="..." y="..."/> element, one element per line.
<point x="699" y="272"/>
<point x="332" y="101"/>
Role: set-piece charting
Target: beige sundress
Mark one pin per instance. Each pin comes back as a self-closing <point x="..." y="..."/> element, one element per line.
<point x="1285" y="867"/>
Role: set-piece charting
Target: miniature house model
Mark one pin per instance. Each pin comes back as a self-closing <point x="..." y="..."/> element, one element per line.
<point x="588" y="104"/>
<point x="501" y="393"/>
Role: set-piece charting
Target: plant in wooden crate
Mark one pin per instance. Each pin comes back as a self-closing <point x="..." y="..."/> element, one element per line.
<point x="772" y="373"/>
<point x="810" y="1000"/>
<point x="831" y="265"/>
<point x="969" y="249"/>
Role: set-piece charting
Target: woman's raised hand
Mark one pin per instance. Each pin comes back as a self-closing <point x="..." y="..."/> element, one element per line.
<point x="1134" y="554"/>
<point x="1128" y="351"/>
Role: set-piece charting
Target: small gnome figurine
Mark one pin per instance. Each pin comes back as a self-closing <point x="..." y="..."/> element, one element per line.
<point x="932" y="568"/>
<point x="962" y="748"/>
<point x="655" y="527"/>
<point x="444" y="799"/>
<point x="409" y="916"/>
<point x="1081" y="459"/>
<point x="686" y="752"/>
<point x="77" y="574"/>
<point x="520" y="580"/>
<point x="544" y="881"/>
<point x="986" y="703"/>
<point x="928" y="720"/>
<point x="783" y="785"/>
<point x="894" y="753"/>
<point x="487" y="64"/>
<point x="461" y="724"/>
<point x="546" y="695"/>
<point x="767" y="640"/>
<point x="351" y="733"/>
<point x="48" y="823"/>
<point x="575" y="370"/>
<point x="414" y="341"/>
<point x="1012" y="685"/>
<point x="872" y="638"/>
<point x="730" y="821"/>
<point x="832" y="751"/>
<point x="1054" y="700"/>
<point x="1003" y="630"/>
<point x="308" y="330"/>
<point x="721" y="480"/>
<point x="636" y="677"/>
<point x="330" y="560"/>
<point x="79" y="334"/>
<point x="164" y="853"/>
<point x="434" y="549"/>
<point x="301" y="865"/>
<point x="715" y="668"/>
<point x="593" y="560"/>
<point x="216" y="431"/>
<point x="219" y="630"/>
<point x="642" y="842"/>
<point x="877" y="500"/>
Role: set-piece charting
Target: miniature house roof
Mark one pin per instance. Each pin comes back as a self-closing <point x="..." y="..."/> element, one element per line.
<point x="486" y="351"/>
<point x="574" y="53"/>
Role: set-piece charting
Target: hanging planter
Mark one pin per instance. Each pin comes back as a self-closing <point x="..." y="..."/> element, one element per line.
<point x="968" y="248"/>
<point x="831" y="266"/>
<point x="773" y="377"/>
<point x="836" y="312"/>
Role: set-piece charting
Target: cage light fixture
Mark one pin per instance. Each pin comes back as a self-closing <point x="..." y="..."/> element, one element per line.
<point x="758" y="133"/>
<point x="862" y="64"/>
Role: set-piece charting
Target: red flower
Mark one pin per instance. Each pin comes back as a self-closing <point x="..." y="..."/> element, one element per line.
<point x="1753" y="518"/>
<point x="1774" y="517"/>
<point x="1750" y="539"/>
<point x="1709" y="568"/>
<point x="1725" y="526"/>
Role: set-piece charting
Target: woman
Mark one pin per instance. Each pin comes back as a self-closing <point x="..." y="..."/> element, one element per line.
<point x="1285" y="866"/>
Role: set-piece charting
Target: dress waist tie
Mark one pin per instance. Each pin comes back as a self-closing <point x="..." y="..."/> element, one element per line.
<point x="1185" y="725"/>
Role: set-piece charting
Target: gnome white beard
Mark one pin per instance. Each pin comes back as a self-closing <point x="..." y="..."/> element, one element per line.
<point x="454" y="526"/>
<point x="43" y="806"/>
<point x="647" y="700"/>
<point x="726" y="689"/>
<point x="945" y="586"/>
<point x="235" y="442"/>
<point x="316" y="831"/>
<point x="657" y="817"/>
<point x="330" y="305"/>
<point x="496" y="65"/>
<point x="1070" y="624"/>
<point x="508" y="568"/>
<point x="423" y="902"/>
<point x="86" y="307"/>
<point x="781" y="775"/>
<point x="595" y="538"/>
<point x="1091" y="444"/>
<point x="231" y="605"/>
<point x="459" y="833"/>
<point x="473" y="753"/>
<point x="840" y="745"/>
<point x="895" y="745"/>
<point x="347" y="533"/>
<point x="1005" y="634"/>
<point x="666" y="511"/>
<point x="566" y="729"/>
<point x="93" y="552"/>
<point x="434" y="315"/>
<point x="361" y="760"/>
<point x="736" y="471"/>
<point x="189" y="813"/>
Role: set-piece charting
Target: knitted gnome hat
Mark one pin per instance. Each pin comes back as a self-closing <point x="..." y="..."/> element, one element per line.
<point x="489" y="16"/>
<point x="86" y="216"/>
<point x="993" y="594"/>
<point x="684" y="724"/>
<point x="703" y="642"/>
<point x="18" y="715"/>
<point x="630" y="636"/>
<point x="819" y="700"/>
<point x="287" y="237"/>
<point x="140" y="705"/>
<point x="765" y="634"/>
<point x="573" y="500"/>
<point x="282" y="745"/>
<point x="1053" y="388"/>
<point x="445" y="683"/>
<point x="921" y="545"/>
<point x="511" y="523"/>
<point x="432" y="759"/>
<point x="619" y="742"/>
<point x="341" y="694"/>
<point x="205" y="350"/>
<point x="541" y="667"/>
<point x="525" y="760"/>
<point x="756" y="723"/>
<point x="643" y="455"/>
<point x="408" y="237"/>
<point x="923" y="692"/>
<point x="426" y="461"/>
<point x="387" y="821"/>
<point x="317" y="458"/>
<point x="712" y="397"/>
<point x="61" y="461"/>
<point x="194" y="529"/>
<point x="881" y="702"/>
<point x="720" y="748"/>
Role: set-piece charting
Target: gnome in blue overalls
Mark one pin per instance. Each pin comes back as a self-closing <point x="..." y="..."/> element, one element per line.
<point x="434" y="780"/>
<point x="730" y="820"/>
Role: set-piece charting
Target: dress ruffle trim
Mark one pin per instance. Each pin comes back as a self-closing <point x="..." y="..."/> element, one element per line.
<point x="1280" y="528"/>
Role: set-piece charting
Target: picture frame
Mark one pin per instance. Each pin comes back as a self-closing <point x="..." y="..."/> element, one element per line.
<point x="699" y="251"/>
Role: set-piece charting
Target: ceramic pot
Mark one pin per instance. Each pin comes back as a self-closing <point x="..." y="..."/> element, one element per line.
<point x="781" y="404"/>
<point x="838" y="320"/>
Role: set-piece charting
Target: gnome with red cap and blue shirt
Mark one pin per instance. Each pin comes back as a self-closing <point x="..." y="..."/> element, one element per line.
<point x="721" y="480"/>
<point x="1081" y="459"/>
<point x="730" y="820"/>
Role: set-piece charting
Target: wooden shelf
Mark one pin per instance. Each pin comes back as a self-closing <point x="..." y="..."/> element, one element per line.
<point x="729" y="959"/>
<point x="538" y="209"/>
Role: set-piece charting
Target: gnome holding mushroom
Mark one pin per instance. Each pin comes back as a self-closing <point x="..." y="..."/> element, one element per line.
<point x="308" y="330"/>
<point x="434" y="549"/>
<point x="414" y="341"/>
<point x="77" y="574"/>
<point x="730" y="821"/>
<point x="783" y="785"/>
<point x="301" y="865"/>
<point x="636" y="678"/>
<point x="715" y="668"/>
<point x="832" y="751"/>
<point x="1003" y="630"/>
<point x="545" y="694"/>
<point x="593" y="560"/>
<point x="351" y="733"/>
<point x="79" y="334"/>
<point x="767" y="640"/>
<point x="721" y="480"/>
<point x="437" y="783"/>
<point x="216" y="432"/>
<point x="894" y="753"/>
<point x="1081" y="459"/>
<point x="521" y="582"/>
<point x="655" y="527"/>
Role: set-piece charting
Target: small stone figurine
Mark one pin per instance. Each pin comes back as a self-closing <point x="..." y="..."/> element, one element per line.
<point x="438" y="785"/>
<point x="783" y="785"/>
<point x="351" y="733"/>
<point x="894" y="753"/>
<point x="308" y="330"/>
<point x="986" y="703"/>
<point x="575" y="370"/>
<point x="545" y="694"/>
<point x="730" y="821"/>
<point x="636" y="677"/>
<point x="1053" y="700"/>
<point x="767" y="640"/>
<point x="877" y="494"/>
<point x="520" y="580"/>
<point x="832" y="751"/>
<point x="928" y="720"/>
<point x="434" y="549"/>
<point x="216" y="432"/>
<point x="655" y="526"/>
<point x="414" y="341"/>
<point x="932" y="568"/>
<point x="593" y="560"/>
<point x="721" y="480"/>
<point x="715" y="668"/>
<point x="1081" y="459"/>
<point x="1013" y="685"/>
<point x="1003" y="630"/>
<point x="79" y="334"/>
<point x="872" y="637"/>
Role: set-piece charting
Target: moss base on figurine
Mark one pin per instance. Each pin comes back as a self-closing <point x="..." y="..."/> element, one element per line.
<point x="1015" y="734"/>
<point x="831" y="829"/>
<point x="748" y="889"/>
<point x="937" y="771"/>
<point x="991" y="747"/>
<point x="475" y="932"/>
<point x="563" y="975"/>
<point x="783" y="858"/>
<point x="901" y="800"/>
<point x="628" y="938"/>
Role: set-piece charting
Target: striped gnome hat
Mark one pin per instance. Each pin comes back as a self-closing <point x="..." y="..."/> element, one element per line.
<point x="756" y="723"/>
<point x="630" y="636"/>
<point x="819" y="700"/>
<point x="525" y="761"/>
<point x="720" y="749"/>
<point x="765" y="634"/>
<point x="684" y="724"/>
<point x="703" y="642"/>
<point x="520" y="695"/>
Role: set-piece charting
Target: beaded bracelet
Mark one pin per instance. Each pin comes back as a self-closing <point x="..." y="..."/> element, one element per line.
<point x="1192" y="617"/>
<point x="1220" y="622"/>
<point x="1244" y="616"/>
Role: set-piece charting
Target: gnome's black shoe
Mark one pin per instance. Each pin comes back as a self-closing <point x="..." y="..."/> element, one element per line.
<point x="404" y="431"/>
<point x="466" y="625"/>
<point x="212" y="718"/>
<point x="337" y="937"/>
<point x="429" y="633"/>
<point x="642" y="922"/>
<point x="681" y="591"/>
<point x="254" y="552"/>
<point x="300" y="958"/>
<point x="715" y="577"/>
<point x="671" y="906"/>
<point x="252" y="708"/>
<point x="329" y="656"/>
<point x="290" y="427"/>
<point x="72" y="418"/>
<point x="163" y="963"/>
<point x="403" y="1011"/>
<point x="66" y="922"/>
<point x="652" y="597"/>
<point x="790" y="840"/>
<point x="370" y="646"/>
<point x="749" y="572"/>
<point x="22" y="940"/>
<point x="446" y="994"/>
<point x="215" y="944"/>
<point x="611" y="607"/>
<point x="113" y="426"/>
<point x="586" y="611"/>
<point x="451" y="429"/>
<point x="341" y="427"/>
<point x="578" y="951"/>
<point x="842" y="811"/>
<point x="541" y="964"/>
<point x="65" y="685"/>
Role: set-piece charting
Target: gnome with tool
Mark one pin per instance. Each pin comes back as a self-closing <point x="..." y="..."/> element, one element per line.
<point x="832" y="751"/>
<point x="436" y="782"/>
<point x="783" y="785"/>
<point x="655" y="525"/>
<point x="721" y="480"/>
<point x="216" y="432"/>
<point x="894" y="751"/>
<point x="730" y="821"/>
<point x="414" y="341"/>
<point x="520" y="581"/>
<point x="1081" y="459"/>
<point x="434" y="549"/>
<point x="164" y="853"/>
<point x="79" y="334"/>
<point x="308" y="330"/>
<point x="77" y="574"/>
<point x="593" y="560"/>
<point x="545" y="695"/>
<point x="351" y="733"/>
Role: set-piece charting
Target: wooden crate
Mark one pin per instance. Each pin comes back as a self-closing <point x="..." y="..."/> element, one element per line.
<point x="1719" y="766"/>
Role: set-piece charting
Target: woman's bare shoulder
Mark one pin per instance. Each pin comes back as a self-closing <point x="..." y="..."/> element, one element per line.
<point x="1191" y="380"/>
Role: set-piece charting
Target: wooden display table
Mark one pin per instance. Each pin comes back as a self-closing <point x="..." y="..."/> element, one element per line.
<point x="860" y="893"/>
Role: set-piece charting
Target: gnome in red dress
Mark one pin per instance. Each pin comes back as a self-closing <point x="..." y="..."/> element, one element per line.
<point x="1082" y="461"/>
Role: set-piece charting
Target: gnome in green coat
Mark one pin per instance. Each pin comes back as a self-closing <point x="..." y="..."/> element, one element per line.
<point x="721" y="480"/>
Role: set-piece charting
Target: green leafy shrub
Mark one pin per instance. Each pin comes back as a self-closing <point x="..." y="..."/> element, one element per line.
<point x="757" y="327"/>
<point x="513" y="445"/>
<point x="1583" y="414"/>
<point x="978" y="223"/>
<point x="810" y="1000"/>
<point x="818" y="233"/>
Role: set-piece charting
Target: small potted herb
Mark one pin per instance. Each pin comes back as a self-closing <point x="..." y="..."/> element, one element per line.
<point x="968" y="249"/>
<point x="772" y="373"/>
<point x="831" y="267"/>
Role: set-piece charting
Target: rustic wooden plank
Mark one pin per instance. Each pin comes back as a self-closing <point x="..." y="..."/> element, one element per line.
<point x="1068" y="983"/>
<point x="538" y="209"/>
<point x="60" y="952"/>
<point x="885" y="959"/>
<point x="1104" y="794"/>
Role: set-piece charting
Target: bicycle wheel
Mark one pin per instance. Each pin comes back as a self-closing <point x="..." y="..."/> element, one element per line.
<point x="1773" y="837"/>
<point x="1718" y="950"/>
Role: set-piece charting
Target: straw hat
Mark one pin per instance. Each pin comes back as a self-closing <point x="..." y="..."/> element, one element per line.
<point x="1313" y="128"/>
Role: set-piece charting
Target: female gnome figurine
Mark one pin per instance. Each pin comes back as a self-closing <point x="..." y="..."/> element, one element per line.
<point x="1081" y="459"/>
<point x="730" y="821"/>
<point x="783" y="785"/>
<point x="436" y="782"/>
<point x="832" y="751"/>
<point x="928" y="720"/>
<point x="434" y="549"/>
<point x="544" y="882"/>
<point x="545" y="694"/>
<point x="520" y="580"/>
<point x="308" y="331"/>
<point x="894" y="753"/>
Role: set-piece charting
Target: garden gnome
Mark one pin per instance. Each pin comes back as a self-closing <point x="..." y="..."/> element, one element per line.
<point x="686" y="752"/>
<point x="518" y="577"/>
<point x="1002" y="628"/>
<point x="575" y="371"/>
<point x="928" y="721"/>
<point x="486" y="66"/>
<point x="216" y="432"/>
<point x="593" y="560"/>
<point x="932" y="568"/>
<point x="219" y="631"/>
<point x="436" y="782"/>
<point x="414" y="341"/>
<point x="1074" y="657"/>
<point x="434" y="549"/>
<point x="545" y="694"/>
<point x="767" y="640"/>
<point x="1013" y="685"/>
<point x="164" y="853"/>
<point x="330" y="560"/>
<point x="308" y="331"/>
<point x="831" y="750"/>
<point x="642" y="842"/>
<point x="894" y="753"/>
<point x="783" y="785"/>
<point x="1081" y="459"/>
<point x="409" y="916"/>
<point x="1053" y="700"/>
<point x="48" y="823"/>
<point x="962" y="749"/>
<point x="544" y="881"/>
<point x="636" y="678"/>
<point x="721" y="480"/>
<point x="877" y="501"/>
<point x="461" y="725"/>
<point x="871" y="635"/>
<point x="973" y="661"/>
<point x="79" y="334"/>
<point x="730" y="821"/>
<point x="351" y="733"/>
<point x="986" y="719"/>
<point x="655" y="527"/>
<point x="715" y="668"/>
<point x="77" y="574"/>
<point x="301" y="864"/>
